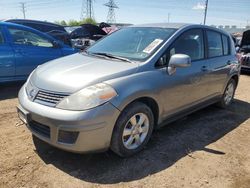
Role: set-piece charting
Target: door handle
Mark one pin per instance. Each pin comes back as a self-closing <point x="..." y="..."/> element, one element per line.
<point x="20" y="51"/>
<point x="6" y="65"/>
<point x="204" y="68"/>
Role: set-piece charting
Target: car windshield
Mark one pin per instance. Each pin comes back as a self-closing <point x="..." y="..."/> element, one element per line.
<point x="133" y="43"/>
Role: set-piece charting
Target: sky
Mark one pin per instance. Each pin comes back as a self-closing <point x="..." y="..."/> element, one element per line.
<point x="220" y="12"/>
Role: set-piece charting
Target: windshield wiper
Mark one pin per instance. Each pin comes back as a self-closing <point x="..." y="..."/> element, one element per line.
<point x="111" y="56"/>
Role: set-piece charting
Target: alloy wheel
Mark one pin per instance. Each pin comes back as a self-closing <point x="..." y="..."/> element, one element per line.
<point x="135" y="131"/>
<point x="229" y="93"/>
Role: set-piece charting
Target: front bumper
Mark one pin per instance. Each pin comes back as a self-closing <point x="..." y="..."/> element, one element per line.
<point x="92" y="128"/>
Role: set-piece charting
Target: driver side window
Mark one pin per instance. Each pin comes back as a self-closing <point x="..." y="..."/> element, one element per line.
<point x="190" y="43"/>
<point x="28" y="38"/>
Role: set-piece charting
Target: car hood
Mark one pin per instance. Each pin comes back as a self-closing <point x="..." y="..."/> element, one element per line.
<point x="245" y="38"/>
<point x="72" y="73"/>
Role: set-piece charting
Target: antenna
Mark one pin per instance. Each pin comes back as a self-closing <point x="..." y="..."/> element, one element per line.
<point x="87" y="10"/>
<point x="111" y="13"/>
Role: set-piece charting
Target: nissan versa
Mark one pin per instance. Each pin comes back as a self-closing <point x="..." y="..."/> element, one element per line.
<point x="118" y="91"/>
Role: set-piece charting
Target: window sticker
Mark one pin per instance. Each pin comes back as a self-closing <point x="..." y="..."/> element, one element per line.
<point x="152" y="46"/>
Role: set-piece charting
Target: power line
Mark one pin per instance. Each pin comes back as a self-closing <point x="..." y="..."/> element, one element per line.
<point x="111" y="13"/>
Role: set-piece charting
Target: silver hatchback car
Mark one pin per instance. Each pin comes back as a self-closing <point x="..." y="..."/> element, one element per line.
<point x="118" y="91"/>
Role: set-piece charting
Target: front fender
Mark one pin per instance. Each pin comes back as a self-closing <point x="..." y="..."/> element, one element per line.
<point x="135" y="86"/>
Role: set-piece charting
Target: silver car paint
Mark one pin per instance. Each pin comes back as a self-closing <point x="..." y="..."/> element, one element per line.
<point x="95" y="125"/>
<point x="201" y="82"/>
<point x="77" y="71"/>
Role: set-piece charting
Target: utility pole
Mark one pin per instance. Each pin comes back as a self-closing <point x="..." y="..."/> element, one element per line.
<point x="111" y="13"/>
<point x="169" y="17"/>
<point x="90" y="8"/>
<point x="87" y="10"/>
<point x="23" y="9"/>
<point x="205" y="14"/>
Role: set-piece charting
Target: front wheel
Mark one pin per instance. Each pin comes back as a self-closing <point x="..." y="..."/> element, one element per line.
<point x="133" y="129"/>
<point x="228" y="95"/>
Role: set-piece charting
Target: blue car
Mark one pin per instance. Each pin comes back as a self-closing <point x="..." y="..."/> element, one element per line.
<point x="22" y="49"/>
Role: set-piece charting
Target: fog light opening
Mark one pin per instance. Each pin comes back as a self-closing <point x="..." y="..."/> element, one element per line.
<point x="68" y="137"/>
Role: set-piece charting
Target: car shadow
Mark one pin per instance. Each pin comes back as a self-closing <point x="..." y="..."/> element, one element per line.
<point x="10" y="90"/>
<point x="245" y="72"/>
<point x="168" y="145"/>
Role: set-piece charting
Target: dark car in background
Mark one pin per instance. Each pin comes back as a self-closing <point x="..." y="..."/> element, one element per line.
<point x="54" y="30"/>
<point x="85" y="35"/>
<point x="23" y="48"/>
<point x="244" y="51"/>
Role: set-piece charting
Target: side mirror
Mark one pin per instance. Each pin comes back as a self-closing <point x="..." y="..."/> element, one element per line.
<point x="178" y="61"/>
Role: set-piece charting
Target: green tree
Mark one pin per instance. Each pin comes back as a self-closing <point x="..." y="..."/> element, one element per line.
<point x="77" y="23"/>
<point x="63" y="23"/>
<point x="73" y="23"/>
<point x="88" y="21"/>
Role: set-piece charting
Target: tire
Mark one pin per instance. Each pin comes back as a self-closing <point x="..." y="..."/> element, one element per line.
<point x="136" y="134"/>
<point x="228" y="94"/>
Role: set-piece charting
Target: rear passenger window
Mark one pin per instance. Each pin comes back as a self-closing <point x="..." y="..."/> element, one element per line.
<point x="1" y="38"/>
<point x="225" y="45"/>
<point x="215" y="48"/>
<point x="23" y="37"/>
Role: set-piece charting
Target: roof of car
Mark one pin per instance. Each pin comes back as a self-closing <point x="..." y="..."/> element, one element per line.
<point x="24" y="27"/>
<point x="33" y="21"/>
<point x="11" y="24"/>
<point x="179" y="26"/>
<point x="163" y="25"/>
<point x="19" y="25"/>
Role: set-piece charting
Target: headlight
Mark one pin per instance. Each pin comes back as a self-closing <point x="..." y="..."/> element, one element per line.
<point x="88" y="98"/>
<point x="31" y="91"/>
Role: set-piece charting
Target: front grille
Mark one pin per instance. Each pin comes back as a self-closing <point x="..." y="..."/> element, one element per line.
<point x="39" y="128"/>
<point x="49" y="98"/>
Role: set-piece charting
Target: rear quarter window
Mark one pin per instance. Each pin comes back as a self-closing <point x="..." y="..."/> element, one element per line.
<point x="215" y="47"/>
<point x="226" y="43"/>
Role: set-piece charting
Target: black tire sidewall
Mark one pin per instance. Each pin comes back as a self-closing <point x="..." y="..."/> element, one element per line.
<point x="117" y="142"/>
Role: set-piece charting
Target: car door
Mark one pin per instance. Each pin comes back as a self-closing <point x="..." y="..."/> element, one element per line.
<point x="219" y="58"/>
<point x="187" y="86"/>
<point x="7" y="60"/>
<point x="31" y="49"/>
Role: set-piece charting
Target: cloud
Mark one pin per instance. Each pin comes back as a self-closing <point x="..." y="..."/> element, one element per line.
<point x="199" y="6"/>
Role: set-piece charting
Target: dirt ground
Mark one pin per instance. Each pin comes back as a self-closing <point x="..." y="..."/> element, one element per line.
<point x="210" y="148"/>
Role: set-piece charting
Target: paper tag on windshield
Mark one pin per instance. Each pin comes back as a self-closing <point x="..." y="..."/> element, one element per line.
<point x="152" y="46"/>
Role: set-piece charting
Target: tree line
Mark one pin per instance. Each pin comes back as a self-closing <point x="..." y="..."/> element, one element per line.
<point x="76" y="22"/>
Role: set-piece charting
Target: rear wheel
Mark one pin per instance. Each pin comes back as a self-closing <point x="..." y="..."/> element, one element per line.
<point x="228" y="95"/>
<point x="133" y="129"/>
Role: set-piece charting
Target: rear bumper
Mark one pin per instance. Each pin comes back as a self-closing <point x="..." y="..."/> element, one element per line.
<point x="90" y="130"/>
